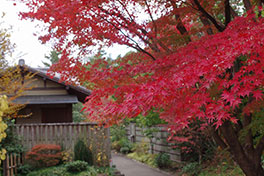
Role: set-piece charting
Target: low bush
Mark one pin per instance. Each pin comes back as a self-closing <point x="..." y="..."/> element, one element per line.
<point x="62" y="171"/>
<point x="191" y="169"/>
<point x="67" y="156"/>
<point x="148" y="159"/>
<point x="44" y="155"/>
<point x="119" y="139"/>
<point x="141" y="148"/>
<point x="12" y="143"/>
<point x="25" y="169"/>
<point x="76" y="166"/>
<point x="163" y="160"/>
<point x="115" y="145"/>
<point x="126" y="146"/>
<point x="82" y="152"/>
<point x="125" y="150"/>
<point x="50" y="171"/>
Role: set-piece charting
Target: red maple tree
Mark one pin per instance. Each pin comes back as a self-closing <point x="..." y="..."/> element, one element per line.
<point x="196" y="59"/>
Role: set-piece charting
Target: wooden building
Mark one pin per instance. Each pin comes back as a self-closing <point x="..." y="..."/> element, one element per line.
<point x="49" y="101"/>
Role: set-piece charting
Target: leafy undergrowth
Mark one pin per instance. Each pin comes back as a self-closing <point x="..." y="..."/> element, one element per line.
<point x="221" y="165"/>
<point x="62" y="171"/>
<point x="148" y="159"/>
<point x="151" y="160"/>
<point x="223" y="169"/>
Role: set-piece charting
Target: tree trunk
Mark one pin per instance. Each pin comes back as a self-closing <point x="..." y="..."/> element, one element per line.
<point x="250" y="167"/>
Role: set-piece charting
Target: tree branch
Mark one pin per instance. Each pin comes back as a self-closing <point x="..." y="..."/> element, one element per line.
<point x="153" y="45"/>
<point x="218" y="25"/>
<point x="227" y="13"/>
<point x="249" y="146"/>
<point x="151" y="17"/>
<point x="260" y="146"/>
<point x="247" y="5"/>
<point x="207" y="24"/>
<point x="180" y="26"/>
<point x="137" y="47"/>
<point x="236" y="148"/>
<point x="124" y="7"/>
<point x="218" y="139"/>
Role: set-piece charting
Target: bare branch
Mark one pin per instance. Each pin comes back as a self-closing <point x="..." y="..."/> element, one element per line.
<point x="180" y="26"/>
<point x="124" y="7"/>
<point x="227" y="13"/>
<point x="207" y="24"/>
<point x="152" y="19"/>
<point x="217" y="24"/>
<point x="137" y="47"/>
<point x="247" y="5"/>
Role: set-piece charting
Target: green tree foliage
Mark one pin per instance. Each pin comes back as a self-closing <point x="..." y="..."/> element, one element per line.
<point x="82" y="152"/>
<point x="52" y="58"/>
<point x="77" y="114"/>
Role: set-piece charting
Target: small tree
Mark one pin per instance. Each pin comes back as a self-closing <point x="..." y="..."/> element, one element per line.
<point x="82" y="152"/>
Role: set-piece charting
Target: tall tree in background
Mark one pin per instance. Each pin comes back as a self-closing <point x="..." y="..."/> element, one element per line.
<point x="53" y="58"/>
<point x="196" y="59"/>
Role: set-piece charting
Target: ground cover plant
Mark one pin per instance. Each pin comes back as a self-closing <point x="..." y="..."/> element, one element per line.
<point x="221" y="165"/>
<point x="62" y="170"/>
<point x="195" y="60"/>
<point x="141" y="153"/>
<point x="119" y="139"/>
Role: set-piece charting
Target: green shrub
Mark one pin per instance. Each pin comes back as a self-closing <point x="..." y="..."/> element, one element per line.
<point x="109" y="171"/>
<point x="12" y="143"/>
<point x="191" y="169"/>
<point x="141" y="148"/>
<point x="62" y="171"/>
<point x="76" y="166"/>
<point x="115" y="145"/>
<point x="117" y="132"/>
<point x="25" y="169"/>
<point x="148" y="159"/>
<point x="163" y="160"/>
<point x="125" y="146"/>
<point x="125" y="150"/>
<point x="50" y="171"/>
<point x="82" y="152"/>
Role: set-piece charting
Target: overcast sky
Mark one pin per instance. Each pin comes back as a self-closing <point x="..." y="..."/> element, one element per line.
<point x="28" y="47"/>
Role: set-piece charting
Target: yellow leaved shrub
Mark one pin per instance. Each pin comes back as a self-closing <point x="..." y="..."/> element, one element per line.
<point x="3" y="125"/>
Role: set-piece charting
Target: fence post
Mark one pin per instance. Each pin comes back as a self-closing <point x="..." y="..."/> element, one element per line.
<point x="5" y="166"/>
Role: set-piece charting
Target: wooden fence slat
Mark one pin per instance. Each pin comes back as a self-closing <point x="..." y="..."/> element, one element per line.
<point x="65" y="134"/>
<point x="11" y="163"/>
<point x="159" y="142"/>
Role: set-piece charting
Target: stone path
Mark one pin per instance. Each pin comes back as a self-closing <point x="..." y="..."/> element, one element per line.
<point x="129" y="167"/>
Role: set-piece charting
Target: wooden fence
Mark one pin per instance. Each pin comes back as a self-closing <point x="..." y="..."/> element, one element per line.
<point x="157" y="144"/>
<point x="11" y="163"/>
<point x="66" y="135"/>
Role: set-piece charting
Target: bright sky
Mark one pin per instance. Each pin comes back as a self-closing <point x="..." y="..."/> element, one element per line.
<point x="28" y="47"/>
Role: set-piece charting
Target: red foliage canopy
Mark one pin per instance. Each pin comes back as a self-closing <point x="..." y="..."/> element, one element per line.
<point x="206" y="79"/>
<point x="196" y="59"/>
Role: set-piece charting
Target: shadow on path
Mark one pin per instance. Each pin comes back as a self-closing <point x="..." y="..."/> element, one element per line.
<point x="129" y="167"/>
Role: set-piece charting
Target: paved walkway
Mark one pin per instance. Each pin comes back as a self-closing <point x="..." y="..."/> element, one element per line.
<point x="129" y="167"/>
